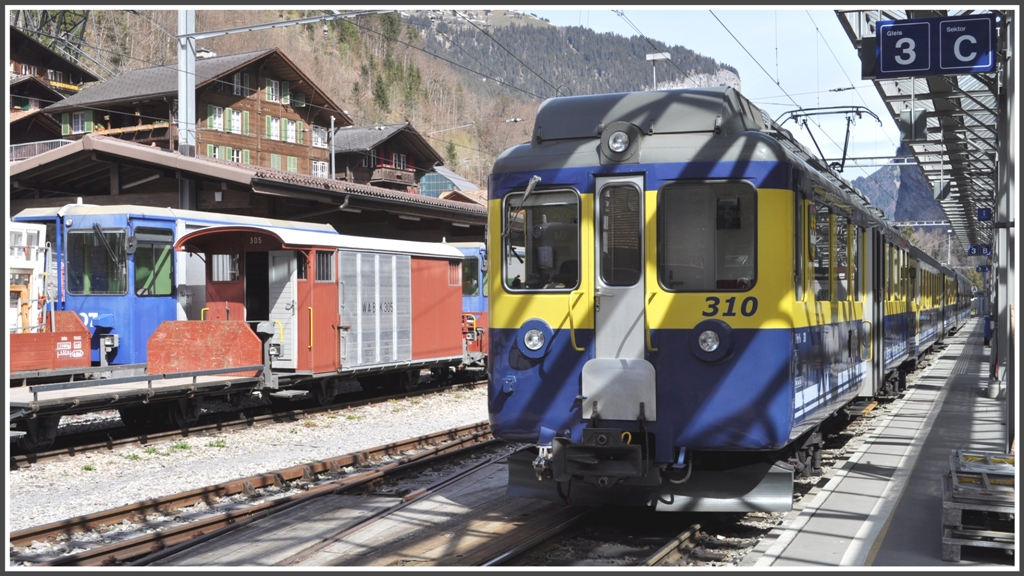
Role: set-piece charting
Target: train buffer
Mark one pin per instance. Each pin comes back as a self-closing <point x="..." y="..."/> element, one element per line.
<point x="977" y="502"/>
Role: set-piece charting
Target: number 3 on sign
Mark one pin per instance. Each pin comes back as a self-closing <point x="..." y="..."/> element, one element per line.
<point x="714" y="306"/>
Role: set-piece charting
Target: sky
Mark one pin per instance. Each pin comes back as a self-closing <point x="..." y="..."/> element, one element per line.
<point x="801" y="52"/>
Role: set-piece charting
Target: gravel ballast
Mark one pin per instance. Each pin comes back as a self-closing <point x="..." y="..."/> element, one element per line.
<point x="97" y="481"/>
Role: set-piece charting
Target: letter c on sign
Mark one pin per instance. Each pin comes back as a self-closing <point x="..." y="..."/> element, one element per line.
<point x="956" y="48"/>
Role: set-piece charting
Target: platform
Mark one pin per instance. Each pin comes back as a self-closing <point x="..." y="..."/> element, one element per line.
<point x="885" y="506"/>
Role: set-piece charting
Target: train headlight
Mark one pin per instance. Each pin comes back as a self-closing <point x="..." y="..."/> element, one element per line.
<point x="618" y="142"/>
<point x="708" y="341"/>
<point x="711" y="340"/>
<point x="534" y="339"/>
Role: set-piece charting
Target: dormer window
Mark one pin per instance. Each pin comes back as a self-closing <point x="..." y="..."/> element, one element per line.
<point x="236" y="83"/>
<point x="273" y="90"/>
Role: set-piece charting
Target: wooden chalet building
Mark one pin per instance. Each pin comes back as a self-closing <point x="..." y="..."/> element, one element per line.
<point x="391" y="156"/>
<point x="253" y="108"/>
<point x="32" y="58"/>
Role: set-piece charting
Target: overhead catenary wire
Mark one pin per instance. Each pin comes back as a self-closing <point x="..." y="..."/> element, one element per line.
<point x="622" y="15"/>
<point x="484" y="32"/>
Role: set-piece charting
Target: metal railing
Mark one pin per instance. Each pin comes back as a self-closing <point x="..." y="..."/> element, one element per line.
<point x="30" y="149"/>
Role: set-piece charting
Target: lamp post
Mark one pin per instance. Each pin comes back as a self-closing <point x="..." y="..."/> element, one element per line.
<point x="949" y="244"/>
<point x="654" y="58"/>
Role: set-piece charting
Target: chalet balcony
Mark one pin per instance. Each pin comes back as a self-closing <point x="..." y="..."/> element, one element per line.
<point x="28" y="150"/>
<point x="144" y="134"/>
<point x="393" y="176"/>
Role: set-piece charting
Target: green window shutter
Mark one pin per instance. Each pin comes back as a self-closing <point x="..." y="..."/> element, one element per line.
<point x="270" y="86"/>
<point x="65" y="124"/>
<point x="293" y="164"/>
<point x="88" y="121"/>
<point x="245" y="121"/>
<point x="245" y="81"/>
<point x="286" y="98"/>
<point x="299" y="130"/>
<point x="267" y="118"/>
<point x="282" y="134"/>
<point x="229" y="153"/>
<point x="209" y="150"/>
<point x="275" y="161"/>
<point x="245" y="156"/>
<point x="227" y="119"/>
<point x="223" y="153"/>
<point x="209" y="116"/>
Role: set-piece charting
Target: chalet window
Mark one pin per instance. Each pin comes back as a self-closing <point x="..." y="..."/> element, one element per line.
<point x="216" y="118"/>
<point x="236" y="121"/>
<point x="275" y="161"/>
<point x="236" y="155"/>
<point x="275" y="128"/>
<point x="55" y="75"/>
<point x="398" y="160"/>
<point x="320" y="169"/>
<point x="273" y="90"/>
<point x="290" y="134"/>
<point x="319" y="137"/>
<point x="237" y="84"/>
<point x="28" y="70"/>
<point x="371" y="160"/>
<point x="78" y="123"/>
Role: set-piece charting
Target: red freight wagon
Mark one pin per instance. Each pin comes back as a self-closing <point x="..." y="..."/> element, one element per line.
<point x="321" y="305"/>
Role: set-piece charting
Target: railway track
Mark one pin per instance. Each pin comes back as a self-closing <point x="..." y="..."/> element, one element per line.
<point x="214" y="423"/>
<point x="189" y="518"/>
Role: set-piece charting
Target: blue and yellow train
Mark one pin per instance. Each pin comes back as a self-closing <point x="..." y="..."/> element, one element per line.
<point x="681" y="294"/>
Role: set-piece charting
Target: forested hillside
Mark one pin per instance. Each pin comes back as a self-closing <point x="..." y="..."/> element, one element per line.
<point x="454" y="78"/>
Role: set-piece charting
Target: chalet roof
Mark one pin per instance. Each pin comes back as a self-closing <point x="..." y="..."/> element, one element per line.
<point x="21" y="85"/>
<point x="162" y="81"/>
<point x="154" y="82"/>
<point x="362" y="139"/>
<point x="24" y="47"/>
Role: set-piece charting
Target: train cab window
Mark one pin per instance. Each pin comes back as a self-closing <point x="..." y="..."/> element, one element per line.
<point x="820" y="242"/>
<point x="225" y="267"/>
<point x="154" y="262"/>
<point x="470" y="276"/>
<point x="707" y="236"/>
<point x="97" y="261"/>
<point x="540" y="235"/>
<point x="300" y="265"/>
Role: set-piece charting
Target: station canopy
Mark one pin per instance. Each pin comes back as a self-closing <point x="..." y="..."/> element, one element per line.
<point x="950" y="122"/>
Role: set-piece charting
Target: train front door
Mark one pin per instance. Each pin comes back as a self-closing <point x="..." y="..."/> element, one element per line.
<point x="619" y="383"/>
<point x="283" y="298"/>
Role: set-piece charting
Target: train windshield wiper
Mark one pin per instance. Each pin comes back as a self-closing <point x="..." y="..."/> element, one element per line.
<point x="110" y="251"/>
<point x="534" y="180"/>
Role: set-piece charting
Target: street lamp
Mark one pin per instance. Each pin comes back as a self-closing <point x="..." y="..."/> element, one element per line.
<point x="949" y="244"/>
<point x="654" y="58"/>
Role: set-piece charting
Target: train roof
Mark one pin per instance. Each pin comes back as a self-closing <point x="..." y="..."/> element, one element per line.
<point x="166" y="213"/>
<point x="291" y="238"/>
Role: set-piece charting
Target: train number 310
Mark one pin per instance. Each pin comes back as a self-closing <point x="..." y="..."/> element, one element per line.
<point x="747" y="308"/>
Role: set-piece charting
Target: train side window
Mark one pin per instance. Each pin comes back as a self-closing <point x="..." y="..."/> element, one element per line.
<point x="300" y="265"/>
<point x="540" y="237"/>
<point x="856" y="249"/>
<point x="225" y="267"/>
<point x="324" y="266"/>
<point x="821" y="254"/>
<point x="154" y="262"/>
<point x="97" y="262"/>
<point x="707" y="236"/>
<point x="843" y="261"/>
<point x="470" y="276"/>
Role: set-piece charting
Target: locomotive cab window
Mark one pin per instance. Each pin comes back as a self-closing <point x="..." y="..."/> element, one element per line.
<point x="97" y="261"/>
<point x="154" y="262"/>
<point x="707" y="236"/>
<point x="540" y="238"/>
<point x="470" y="276"/>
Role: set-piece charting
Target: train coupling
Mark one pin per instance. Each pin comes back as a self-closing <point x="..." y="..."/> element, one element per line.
<point x="602" y="458"/>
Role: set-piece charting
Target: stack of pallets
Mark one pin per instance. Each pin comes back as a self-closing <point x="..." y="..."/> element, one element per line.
<point x="977" y="502"/>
